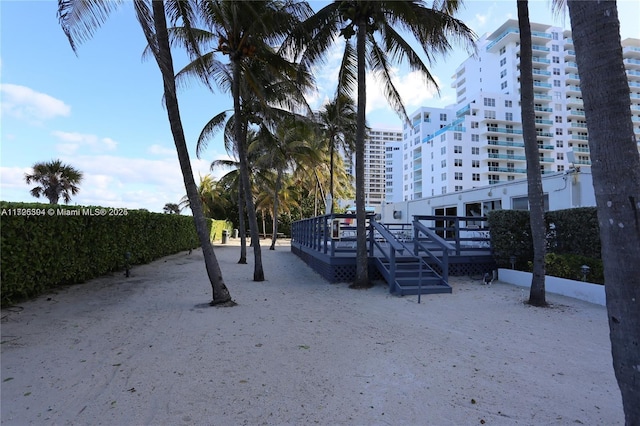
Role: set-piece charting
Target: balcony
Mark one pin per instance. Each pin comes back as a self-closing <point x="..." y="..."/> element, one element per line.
<point x="574" y="89"/>
<point x="571" y="100"/>
<point x="507" y="170"/>
<point x="540" y="96"/>
<point x="547" y="160"/>
<point x="513" y="32"/>
<point x="508" y="157"/>
<point x="545" y="122"/>
<point x="572" y="77"/>
<point x="631" y="51"/>
<point x="578" y="125"/>
<point x="575" y="113"/>
<point x="541" y="84"/>
<point x="539" y="60"/>
<point x="578" y="149"/>
<point x="543" y="109"/>
<point x="541" y="73"/>
<point x="544" y="134"/>
<point x="539" y="48"/>
<point x="631" y="63"/>
<point x="504" y="130"/>
<point x="546" y="147"/>
<point x="570" y="65"/>
<point x="633" y="74"/>
<point x="506" y="143"/>
<point x="578" y="137"/>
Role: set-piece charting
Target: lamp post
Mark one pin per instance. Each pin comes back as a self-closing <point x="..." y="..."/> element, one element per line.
<point x="585" y="270"/>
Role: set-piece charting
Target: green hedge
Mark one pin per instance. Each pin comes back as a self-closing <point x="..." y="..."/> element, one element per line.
<point x="55" y="245"/>
<point x="572" y="238"/>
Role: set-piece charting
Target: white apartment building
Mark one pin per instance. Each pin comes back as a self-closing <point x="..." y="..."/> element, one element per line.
<point x="478" y="142"/>
<point x="378" y="167"/>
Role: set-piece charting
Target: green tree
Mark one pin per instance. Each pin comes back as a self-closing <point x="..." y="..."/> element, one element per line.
<point x="79" y="19"/>
<point x="171" y="208"/>
<point x="246" y="32"/>
<point x="615" y="165"/>
<point x="374" y="25"/>
<point x="337" y="121"/>
<point x="55" y="179"/>
<point x="534" y="175"/>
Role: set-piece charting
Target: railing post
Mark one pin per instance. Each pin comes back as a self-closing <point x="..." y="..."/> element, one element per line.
<point x="392" y="269"/>
<point x="456" y="230"/>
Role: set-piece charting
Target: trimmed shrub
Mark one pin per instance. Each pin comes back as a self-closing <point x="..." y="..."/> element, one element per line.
<point x="56" y="245"/>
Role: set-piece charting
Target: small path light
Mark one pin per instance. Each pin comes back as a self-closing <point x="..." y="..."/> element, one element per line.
<point x="512" y="259"/>
<point x="585" y="270"/>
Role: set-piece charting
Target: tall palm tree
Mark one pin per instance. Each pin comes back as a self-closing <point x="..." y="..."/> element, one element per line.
<point x="338" y="122"/>
<point x="281" y="148"/>
<point x="374" y="24"/>
<point x="615" y="165"/>
<point x="534" y="175"/>
<point x="79" y="19"/>
<point x="54" y="180"/>
<point x="246" y="32"/>
<point x="171" y="208"/>
<point x="212" y="198"/>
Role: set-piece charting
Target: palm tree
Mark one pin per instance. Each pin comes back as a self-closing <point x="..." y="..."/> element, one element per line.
<point x="338" y="123"/>
<point x="54" y="180"/>
<point x="245" y="32"/>
<point x="615" y="165"/>
<point x="534" y="176"/>
<point x="212" y="199"/>
<point x="374" y="23"/>
<point x="79" y="19"/>
<point x="171" y="208"/>
<point x="281" y="150"/>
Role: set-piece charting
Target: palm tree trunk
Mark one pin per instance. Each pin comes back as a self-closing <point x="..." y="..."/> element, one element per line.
<point x="534" y="179"/>
<point x="165" y="63"/>
<point x="362" y="259"/>
<point x="331" y="142"/>
<point x="241" y="224"/>
<point x="258" y="272"/>
<point x="615" y="166"/>
<point x="275" y="210"/>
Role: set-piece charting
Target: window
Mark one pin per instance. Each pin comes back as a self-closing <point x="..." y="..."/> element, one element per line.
<point x="555" y="48"/>
<point x="457" y="149"/>
<point x="444" y="190"/>
<point x="475" y="138"/>
<point x="443" y="177"/>
<point x="554" y="35"/>
<point x="443" y="137"/>
<point x="556" y="71"/>
<point x="503" y="85"/>
<point x="508" y="116"/>
<point x="557" y="95"/>
<point x="475" y="150"/>
<point x="558" y="119"/>
<point x="503" y="50"/>
<point x="556" y="83"/>
<point x="491" y="102"/>
<point x="475" y="164"/>
<point x="560" y="156"/>
<point x="457" y="176"/>
<point x="443" y="117"/>
<point x="458" y="188"/>
<point x="443" y="150"/>
<point x="503" y="61"/>
<point x="558" y="131"/>
<point x="503" y="73"/>
<point x="559" y="144"/>
<point x="475" y="177"/>
<point x="491" y="115"/>
<point x="443" y="164"/>
<point x="474" y="124"/>
<point x="555" y="59"/>
<point x="508" y="104"/>
<point x="561" y="168"/>
<point x="457" y="162"/>
<point x="457" y="136"/>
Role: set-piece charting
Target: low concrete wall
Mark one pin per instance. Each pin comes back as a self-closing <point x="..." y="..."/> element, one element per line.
<point x="593" y="293"/>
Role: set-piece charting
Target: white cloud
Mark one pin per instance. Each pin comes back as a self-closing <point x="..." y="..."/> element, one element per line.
<point x="25" y="103"/>
<point x="413" y="90"/>
<point x="161" y="151"/>
<point x="74" y="141"/>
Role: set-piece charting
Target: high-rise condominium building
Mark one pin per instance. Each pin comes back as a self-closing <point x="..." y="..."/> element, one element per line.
<point x="379" y="165"/>
<point x="479" y="142"/>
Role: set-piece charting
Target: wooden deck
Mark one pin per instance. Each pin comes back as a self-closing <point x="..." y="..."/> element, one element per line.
<point x="446" y="244"/>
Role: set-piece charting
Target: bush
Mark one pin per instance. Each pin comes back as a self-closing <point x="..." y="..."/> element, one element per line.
<point x="570" y="266"/>
<point x="74" y="244"/>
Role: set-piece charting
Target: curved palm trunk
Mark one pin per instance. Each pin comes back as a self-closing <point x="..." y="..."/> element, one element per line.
<point x="534" y="178"/>
<point x="241" y="224"/>
<point x="362" y="259"/>
<point x="275" y="211"/>
<point x="165" y="63"/>
<point x="331" y="173"/>
<point x="258" y="272"/>
<point x="615" y="166"/>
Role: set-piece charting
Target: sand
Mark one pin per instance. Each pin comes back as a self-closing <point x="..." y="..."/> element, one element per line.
<point x="146" y="350"/>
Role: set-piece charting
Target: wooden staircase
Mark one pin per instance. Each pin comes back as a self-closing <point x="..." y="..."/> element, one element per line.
<point x="412" y="276"/>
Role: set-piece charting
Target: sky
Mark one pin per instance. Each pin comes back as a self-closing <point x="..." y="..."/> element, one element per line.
<point x="101" y="110"/>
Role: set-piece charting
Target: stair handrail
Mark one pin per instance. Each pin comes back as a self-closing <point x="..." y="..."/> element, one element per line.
<point x="441" y="242"/>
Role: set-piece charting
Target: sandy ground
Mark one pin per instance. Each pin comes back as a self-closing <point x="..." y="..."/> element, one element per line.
<point x="297" y="350"/>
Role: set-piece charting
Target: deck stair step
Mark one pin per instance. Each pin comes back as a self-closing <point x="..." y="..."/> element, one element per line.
<point x="410" y="281"/>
